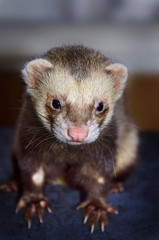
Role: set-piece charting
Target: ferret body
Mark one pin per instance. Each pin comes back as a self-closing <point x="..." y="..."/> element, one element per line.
<point x="73" y="126"/>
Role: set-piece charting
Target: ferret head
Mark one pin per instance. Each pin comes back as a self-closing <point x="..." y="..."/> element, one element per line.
<point x="74" y="91"/>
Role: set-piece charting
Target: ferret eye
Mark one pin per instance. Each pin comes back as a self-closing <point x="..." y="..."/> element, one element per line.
<point x="100" y="107"/>
<point x="56" y="104"/>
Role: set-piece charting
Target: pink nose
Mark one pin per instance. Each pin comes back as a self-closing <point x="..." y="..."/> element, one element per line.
<point x="77" y="134"/>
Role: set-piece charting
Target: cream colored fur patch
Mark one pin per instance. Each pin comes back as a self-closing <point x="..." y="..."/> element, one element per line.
<point x="60" y="181"/>
<point x="38" y="177"/>
<point x="127" y="150"/>
<point x="100" y="180"/>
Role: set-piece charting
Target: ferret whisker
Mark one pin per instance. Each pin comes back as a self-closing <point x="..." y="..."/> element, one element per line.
<point x="133" y="125"/>
<point x="109" y="138"/>
<point x="27" y="134"/>
<point x="111" y="154"/>
<point x="101" y="154"/>
<point x="43" y="141"/>
<point x="30" y="142"/>
<point x="58" y="134"/>
<point x="128" y="123"/>
<point x="29" y="127"/>
<point x="45" y="117"/>
<point x="53" y="144"/>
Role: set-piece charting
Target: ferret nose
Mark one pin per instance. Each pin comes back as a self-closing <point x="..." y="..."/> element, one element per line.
<point x="77" y="134"/>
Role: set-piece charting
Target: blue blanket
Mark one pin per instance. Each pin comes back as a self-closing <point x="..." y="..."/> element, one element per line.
<point x="138" y="205"/>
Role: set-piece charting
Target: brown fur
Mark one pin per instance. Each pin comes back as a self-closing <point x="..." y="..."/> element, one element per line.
<point x="79" y="76"/>
<point x="79" y="60"/>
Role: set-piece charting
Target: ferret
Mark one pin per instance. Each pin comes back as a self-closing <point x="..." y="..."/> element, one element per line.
<point x="74" y="128"/>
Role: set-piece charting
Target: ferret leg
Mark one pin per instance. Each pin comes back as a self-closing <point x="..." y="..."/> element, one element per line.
<point x="33" y="198"/>
<point x="95" y="207"/>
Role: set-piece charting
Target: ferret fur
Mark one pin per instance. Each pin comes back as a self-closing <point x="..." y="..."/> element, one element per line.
<point x="79" y="78"/>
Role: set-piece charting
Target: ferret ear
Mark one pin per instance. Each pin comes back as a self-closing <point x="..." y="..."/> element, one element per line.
<point x="34" y="70"/>
<point x="119" y="75"/>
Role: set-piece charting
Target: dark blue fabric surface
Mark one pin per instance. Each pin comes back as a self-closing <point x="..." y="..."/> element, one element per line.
<point x="138" y="205"/>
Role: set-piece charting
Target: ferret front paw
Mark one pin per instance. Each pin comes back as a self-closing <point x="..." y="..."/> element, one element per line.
<point x="11" y="186"/>
<point x="35" y="205"/>
<point x="96" y="213"/>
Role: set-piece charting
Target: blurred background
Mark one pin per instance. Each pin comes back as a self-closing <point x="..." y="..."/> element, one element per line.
<point x="125" y="30"/>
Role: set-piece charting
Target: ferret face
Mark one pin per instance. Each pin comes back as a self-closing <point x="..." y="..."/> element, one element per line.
<point x="79" y="109"/>
<point x="74" y="110"/>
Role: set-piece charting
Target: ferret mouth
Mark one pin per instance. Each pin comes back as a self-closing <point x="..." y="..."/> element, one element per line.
<point x="75" y="143"/>
<point x="86" y="141"/>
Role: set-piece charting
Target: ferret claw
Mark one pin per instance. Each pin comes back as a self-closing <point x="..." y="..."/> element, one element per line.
<point x="110" y="209"/>
<point x="34" y="207"/>
<point x="92" y="228"/>
<point x="49" y="210"/>
<point x="116" y="212"/>
<point x="16" y="210"/>
<point x="102" y="227"/>
<point x="21" y="204"/>
<point x="85" y="219"/>
<point x="40" y="219"/>
<point x="29" y="224"/>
